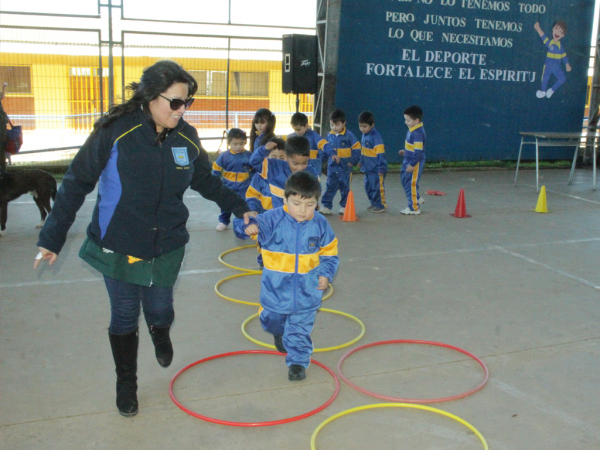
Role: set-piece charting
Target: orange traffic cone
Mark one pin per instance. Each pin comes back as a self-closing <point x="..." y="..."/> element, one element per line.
<point x="349" y="212"/>
<point x="461" y="208"/>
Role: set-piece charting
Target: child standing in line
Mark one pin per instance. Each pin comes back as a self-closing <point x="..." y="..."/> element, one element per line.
<point x="318" y="145"/>
<point x="266" y="191"/>
<point x="373" y="162"/>
<point x="234" y="168"/>
<point x="338" y="173"/>
<point x="300" y="251"/>
<point x="278" y="150"/>
<point x="263" y="128"/>
<point x="414" y="159"/>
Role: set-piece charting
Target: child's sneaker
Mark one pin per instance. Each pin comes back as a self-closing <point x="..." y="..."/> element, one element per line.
<point x="221" y="227"/>
<point x="324" y="210"/>
<point x="342" y="211"/>
<point x="549" y="93"/>
<point x="540" y="94"/>
<point x="421" y="201"/>
<point x="279" y="343"/>
<point x="410" y="212"/>
<point x="370" y="208"/>
<point x="377" y="209"/>
<point x="296" y="373"/>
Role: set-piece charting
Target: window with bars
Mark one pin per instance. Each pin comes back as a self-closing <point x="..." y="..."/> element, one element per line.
<point x="18" y="79"/>
<point x="241" y="84"/>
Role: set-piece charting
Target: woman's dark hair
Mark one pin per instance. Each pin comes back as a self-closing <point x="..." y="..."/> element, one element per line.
<point x="155" y="80"/>
<point x="263" y="114"/>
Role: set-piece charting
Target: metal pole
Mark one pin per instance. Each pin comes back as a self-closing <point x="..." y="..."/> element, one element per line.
<point x="227" y="87"/>
<point x="594" y="103"/>
<point x="111" y="72"/>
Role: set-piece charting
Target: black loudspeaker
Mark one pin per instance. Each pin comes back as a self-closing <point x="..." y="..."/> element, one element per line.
<point x="300" y="64"/>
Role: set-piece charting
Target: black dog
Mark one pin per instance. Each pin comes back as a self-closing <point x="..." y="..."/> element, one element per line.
<point x="41" y="185"/>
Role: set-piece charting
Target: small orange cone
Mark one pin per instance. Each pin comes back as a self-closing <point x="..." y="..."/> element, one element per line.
<point x="349" y="212"/>
<point x="461" y="207"/>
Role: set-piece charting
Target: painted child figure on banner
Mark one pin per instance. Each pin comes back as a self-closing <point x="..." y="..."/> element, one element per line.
<point x="555" y="55"/>
<point x="300" y="256"/>
<point x="414" y="159"/>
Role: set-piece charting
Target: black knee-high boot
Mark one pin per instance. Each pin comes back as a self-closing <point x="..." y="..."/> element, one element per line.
<point x="163" y="348"/>
<point x="124" y="350"/>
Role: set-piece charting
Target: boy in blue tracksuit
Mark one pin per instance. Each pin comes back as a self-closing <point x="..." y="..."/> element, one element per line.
<point x="234" y="168"/>
<point x="373" y="162"/>
<point x="300" y="259"/>
<point x="338" y="173"/>
<point x="414" y="159"/>
<point x="267" y="191"/>
<point x="319" y="147"/>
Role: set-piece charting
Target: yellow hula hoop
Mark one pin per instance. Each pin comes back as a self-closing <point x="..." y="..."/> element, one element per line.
<point x="235" y="267"/>
<point x="316" y="350"/>
<point x="247" y="274"/>
<point x="398" y="405"/>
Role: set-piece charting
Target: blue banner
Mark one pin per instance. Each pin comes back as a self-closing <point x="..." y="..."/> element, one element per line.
<point x="481" y="70"/>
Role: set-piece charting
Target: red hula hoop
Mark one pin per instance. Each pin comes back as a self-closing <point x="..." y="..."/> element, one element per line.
<point x="251" y="424"/>
<point x="413" y="400"/>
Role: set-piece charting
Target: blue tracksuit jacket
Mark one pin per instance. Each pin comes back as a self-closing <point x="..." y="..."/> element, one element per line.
<point x="295" y="254"/>
<point x="269" y="191"/>
<point x="235" y="170"/>
<point x="318" y="148"/>
<point x="347" y="148"/>
<point x="373" y="153"/>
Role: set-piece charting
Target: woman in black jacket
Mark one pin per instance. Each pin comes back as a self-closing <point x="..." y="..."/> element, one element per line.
<point x="144" y="156"/>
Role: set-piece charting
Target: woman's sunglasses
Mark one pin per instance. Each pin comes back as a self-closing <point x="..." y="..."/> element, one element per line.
<point x="177" y="103"/>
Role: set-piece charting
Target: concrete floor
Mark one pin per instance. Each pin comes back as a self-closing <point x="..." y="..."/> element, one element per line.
<point x="517" y="288"/>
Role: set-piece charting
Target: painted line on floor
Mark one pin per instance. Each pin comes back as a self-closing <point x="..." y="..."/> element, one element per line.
<point x="546" y="407"/>
<point x="468" y="250"/>
<point x="570" y="196"/>
<point x="546" y="266"/>
<point x="87" y="280"/>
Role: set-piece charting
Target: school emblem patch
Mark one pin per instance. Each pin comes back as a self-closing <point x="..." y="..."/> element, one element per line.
<point x="313" y="243"/>
<point x="181" y="156"/>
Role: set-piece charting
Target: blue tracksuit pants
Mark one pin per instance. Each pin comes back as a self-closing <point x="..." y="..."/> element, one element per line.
<point x="225" y="216"/>
<point x="410" y="183"/>
<point x="375" y="189"/>
<point x="335" y="181"/>
<point x="295" y="329"/>
<point x="553" y="67"/>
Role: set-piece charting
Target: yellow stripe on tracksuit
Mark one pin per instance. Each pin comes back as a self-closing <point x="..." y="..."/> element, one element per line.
<point x="373" y="152"/>
<point x="413" y="186"/>
<point x="277" y="191"/>
<point x="266" y="202"/>
<point x="286" y="262"/>
<point x="382" y="190"/>
<point x="235" y="176"/>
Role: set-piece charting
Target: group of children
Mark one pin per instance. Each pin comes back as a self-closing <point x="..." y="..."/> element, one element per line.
<point x="280" y="180"/>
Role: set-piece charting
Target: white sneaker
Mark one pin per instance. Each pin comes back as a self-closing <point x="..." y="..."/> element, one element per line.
<point x="324" y="210"/>
<point x="549" y="93"/>
<point x="221" y="227"/>
<point x="540" y="94"/>
<point x="421" y="201"/>
<point x="342" y="211"/>
<point x="410" y="212"/>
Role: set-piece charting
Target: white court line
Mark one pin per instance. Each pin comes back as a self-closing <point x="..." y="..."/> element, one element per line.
<point x="86" y="280"/>
<point x="468" y="250"/>
<point x="547" y="408"/>
<point x="546" y="266"/>
<point x="568" y="195"/>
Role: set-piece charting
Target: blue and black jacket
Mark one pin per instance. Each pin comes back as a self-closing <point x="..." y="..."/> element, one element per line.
<point x="139" y="209"/>
<point x="319" y="148"/>
<point x="295" y="255"/>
